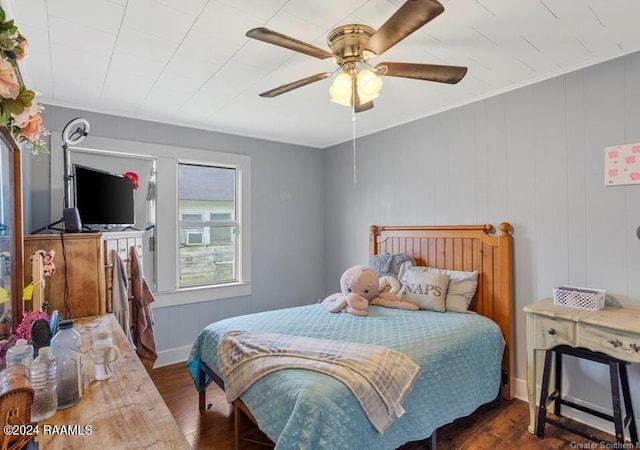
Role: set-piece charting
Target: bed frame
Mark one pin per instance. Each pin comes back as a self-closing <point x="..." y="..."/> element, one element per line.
<point x="451" y="247"/>
<point x="468" y="248"/>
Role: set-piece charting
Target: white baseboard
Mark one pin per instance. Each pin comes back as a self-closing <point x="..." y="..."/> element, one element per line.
<point x="520" y="392"/>
<point x="172" y="356"/>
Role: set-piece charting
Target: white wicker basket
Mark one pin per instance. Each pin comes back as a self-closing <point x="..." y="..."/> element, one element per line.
<point x="578" y="297"/>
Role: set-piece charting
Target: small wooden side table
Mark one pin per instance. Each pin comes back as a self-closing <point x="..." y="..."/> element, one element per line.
<point x="612" y="331"/>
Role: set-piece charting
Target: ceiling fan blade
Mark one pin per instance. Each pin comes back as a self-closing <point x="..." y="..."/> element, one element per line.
<point x="295" y="85"/>
<point x="411" y="16"/>
<point x="272" y="37"/>
<point x="428" y="72"/>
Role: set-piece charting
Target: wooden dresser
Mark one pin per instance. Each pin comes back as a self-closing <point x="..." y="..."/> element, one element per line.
<point x="124" y="412"/>
<point x="81" y="286"/>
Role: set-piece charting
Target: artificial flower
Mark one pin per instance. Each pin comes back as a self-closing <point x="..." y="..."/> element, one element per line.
<point x="135" y="179"/>
<point x="21" y="120"/>
<point x="9" y="85"/>
<point x="22" y="46"/>
<point x="30" y="122"/>
<point x="23" y="331"/>
<point x="33" y="128"/>
<point x="19" y="112"/>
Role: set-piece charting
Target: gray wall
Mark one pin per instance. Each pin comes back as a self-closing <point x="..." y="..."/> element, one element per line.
<point x="287" y="227"/>
<point x="533" y="157"/>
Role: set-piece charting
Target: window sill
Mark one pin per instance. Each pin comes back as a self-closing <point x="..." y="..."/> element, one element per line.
<point x="198" y="294"/>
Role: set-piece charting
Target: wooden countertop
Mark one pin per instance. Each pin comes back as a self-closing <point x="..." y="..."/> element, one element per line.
<point x="124" y="412"/>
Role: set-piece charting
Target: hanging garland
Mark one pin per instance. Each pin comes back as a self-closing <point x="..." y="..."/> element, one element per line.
<point x="19" y="112"/>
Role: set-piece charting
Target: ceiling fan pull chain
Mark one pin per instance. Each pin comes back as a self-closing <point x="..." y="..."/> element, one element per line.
<point x="353" y="131"/>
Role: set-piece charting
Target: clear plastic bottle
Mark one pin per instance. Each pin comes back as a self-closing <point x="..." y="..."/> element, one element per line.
<point x="66" y="345"/>
<point x="43" y="382"/>
<point x="20" y="354"/>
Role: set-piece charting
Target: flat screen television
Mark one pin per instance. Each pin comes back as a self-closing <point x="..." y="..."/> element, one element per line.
<point x="103" y="199"/>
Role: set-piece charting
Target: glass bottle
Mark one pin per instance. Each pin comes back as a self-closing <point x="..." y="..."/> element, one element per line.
<point x="43" y="382"/>
<point x="14" y="377"/>
<point x="66" y="345"/>
<point x="103" y="352"/>
<point x="20" y="354"/>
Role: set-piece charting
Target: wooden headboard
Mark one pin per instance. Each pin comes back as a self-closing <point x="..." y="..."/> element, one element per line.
<point x="468" y="248"/>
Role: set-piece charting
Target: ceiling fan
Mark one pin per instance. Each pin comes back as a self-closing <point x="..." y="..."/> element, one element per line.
<point x="353" y="45"/>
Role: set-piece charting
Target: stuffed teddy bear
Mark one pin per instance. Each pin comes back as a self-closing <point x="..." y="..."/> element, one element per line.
<point x="361" y="287"/>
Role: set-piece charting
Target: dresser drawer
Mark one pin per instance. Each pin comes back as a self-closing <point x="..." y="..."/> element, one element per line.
<point x="550" y="332"/>
<point x="619" y="344"/>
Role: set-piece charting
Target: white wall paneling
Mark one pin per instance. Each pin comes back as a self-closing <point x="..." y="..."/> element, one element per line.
<point x="533" y="157"/>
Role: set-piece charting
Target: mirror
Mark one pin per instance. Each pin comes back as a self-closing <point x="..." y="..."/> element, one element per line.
<point x="11" y="234"/>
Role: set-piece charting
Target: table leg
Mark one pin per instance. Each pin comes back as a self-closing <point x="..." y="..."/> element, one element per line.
<point x="531" y="374"/>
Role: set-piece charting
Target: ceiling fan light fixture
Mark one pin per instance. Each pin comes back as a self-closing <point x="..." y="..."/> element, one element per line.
<point x="340" y="90"/>
<point x="368" y="54"/>
<point x="369" y="85"/>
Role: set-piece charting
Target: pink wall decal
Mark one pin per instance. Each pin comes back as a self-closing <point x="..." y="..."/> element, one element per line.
<point x="622" y="164"/>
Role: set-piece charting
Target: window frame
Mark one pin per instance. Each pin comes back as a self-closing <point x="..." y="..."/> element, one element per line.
<point x="242" y="285"/>
<point x="166" y="290"/>
<point x="205" y="221"/>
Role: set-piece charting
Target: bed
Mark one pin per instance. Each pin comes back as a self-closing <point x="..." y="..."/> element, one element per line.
<point x="465" y="359"/>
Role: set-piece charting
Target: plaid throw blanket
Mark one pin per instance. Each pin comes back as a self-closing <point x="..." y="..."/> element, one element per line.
<point x="380" y="378"/>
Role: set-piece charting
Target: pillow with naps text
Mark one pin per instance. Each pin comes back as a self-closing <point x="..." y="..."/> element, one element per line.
<point x="426" y="289"/>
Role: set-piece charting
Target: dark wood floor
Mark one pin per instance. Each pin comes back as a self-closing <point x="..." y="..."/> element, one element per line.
<point x="501" y="425"/>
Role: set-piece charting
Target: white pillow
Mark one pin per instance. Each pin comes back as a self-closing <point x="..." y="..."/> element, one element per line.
<point x="425" y="288"/>
<point x="462" y="287"/>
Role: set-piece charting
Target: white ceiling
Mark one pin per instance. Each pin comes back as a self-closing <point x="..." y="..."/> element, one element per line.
<point x="188" y="62"/>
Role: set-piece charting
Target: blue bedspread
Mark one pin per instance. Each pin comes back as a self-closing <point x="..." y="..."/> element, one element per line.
<point x="459" y="355"/>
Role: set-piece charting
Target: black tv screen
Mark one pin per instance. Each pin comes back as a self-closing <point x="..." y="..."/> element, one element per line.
<point x="103" y="199"/>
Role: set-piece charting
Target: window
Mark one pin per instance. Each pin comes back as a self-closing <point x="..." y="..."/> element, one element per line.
<point x="221" y="234"/>
<point x="208" y="229"/>
<point x="190" y="235"/>
<point x="172" y="233"/>
<point x="195" y="238"/>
